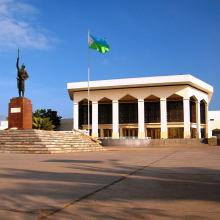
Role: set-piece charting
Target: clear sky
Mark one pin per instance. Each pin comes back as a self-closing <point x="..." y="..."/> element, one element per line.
<point x="147" y="38"/>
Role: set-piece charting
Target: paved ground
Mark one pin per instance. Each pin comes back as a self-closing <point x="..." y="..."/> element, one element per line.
<point x="150" y="183"/>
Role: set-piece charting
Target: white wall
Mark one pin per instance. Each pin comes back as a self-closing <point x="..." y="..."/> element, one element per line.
<point x="214" y="120"/>
<point x="3" y="125"/>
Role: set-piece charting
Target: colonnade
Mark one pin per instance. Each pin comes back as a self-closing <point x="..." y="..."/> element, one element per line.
<point x="141" y="118"/>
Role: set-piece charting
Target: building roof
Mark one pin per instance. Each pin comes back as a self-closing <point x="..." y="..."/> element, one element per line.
<point x="141" y="82"/>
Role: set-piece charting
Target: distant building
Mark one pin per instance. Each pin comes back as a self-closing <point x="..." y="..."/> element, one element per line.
<point x="173" y="106"/>
<point x="214" y="121"/>
<point x="3" y="125"/>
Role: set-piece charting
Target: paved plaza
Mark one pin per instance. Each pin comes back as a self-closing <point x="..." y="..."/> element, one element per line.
<point x="131" y="183"/>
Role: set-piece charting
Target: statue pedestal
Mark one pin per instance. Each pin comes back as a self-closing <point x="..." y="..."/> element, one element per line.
<point x="20" y="113"/>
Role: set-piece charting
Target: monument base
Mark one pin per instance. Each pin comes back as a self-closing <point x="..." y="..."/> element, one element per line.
<point x="20" y="113"/>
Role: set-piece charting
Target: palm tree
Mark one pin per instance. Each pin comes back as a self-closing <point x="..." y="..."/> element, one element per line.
<point x="42" y="123"/>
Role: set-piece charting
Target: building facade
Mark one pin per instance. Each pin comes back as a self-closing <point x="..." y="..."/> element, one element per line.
<point x="173" y="106"/>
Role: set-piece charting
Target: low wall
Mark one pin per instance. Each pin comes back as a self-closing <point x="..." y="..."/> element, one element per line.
<point x="125" y="142"/>
<point x="66" y="124"/>
<point x="129" y="142"/>
<point x="214" y="141"/>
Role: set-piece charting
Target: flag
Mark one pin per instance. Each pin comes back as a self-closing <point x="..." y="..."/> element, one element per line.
<point x="98" y="44"/>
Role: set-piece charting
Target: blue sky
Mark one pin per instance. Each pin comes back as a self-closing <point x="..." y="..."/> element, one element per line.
<point x="147" y="38"/>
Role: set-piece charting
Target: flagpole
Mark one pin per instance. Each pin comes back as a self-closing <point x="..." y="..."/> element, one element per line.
<point x="88" y="87"/>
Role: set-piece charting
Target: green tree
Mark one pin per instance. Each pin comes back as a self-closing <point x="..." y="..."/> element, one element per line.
<point x="48" y="113"/>
<point x="42" y="123"/>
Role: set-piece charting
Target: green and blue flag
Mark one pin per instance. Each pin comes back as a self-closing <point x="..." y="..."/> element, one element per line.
<point x="98" y="44"/>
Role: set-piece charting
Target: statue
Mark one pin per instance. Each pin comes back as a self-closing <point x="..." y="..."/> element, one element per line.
<point x="21" y="77"/>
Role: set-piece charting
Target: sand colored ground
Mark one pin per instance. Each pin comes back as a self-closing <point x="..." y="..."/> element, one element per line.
<point x="131" y="183"/>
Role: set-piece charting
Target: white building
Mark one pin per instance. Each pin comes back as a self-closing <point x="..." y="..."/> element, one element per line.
<point x="3" y="125"/>
<point x="173" y="106"/>
<point x="214" y="120"/>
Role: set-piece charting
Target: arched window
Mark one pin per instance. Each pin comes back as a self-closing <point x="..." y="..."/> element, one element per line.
<point x="203" y="112"/>
<point x="105" y="111"/>
<point x="152" y="109"/>
<point x="128" y="110"/>
<point x="193" y="109"/>
<point x="175" y="108"/>
<point x="83" y="112"/>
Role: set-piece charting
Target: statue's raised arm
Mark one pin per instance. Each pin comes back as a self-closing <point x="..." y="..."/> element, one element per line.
<point x="17" y="63"/>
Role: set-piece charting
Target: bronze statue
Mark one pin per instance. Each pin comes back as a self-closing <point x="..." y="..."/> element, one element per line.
<point x="21" y="77"/>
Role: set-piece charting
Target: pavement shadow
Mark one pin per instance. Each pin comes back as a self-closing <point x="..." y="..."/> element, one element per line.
<point x="34" y="190"/>
<point x="72" y="161"/>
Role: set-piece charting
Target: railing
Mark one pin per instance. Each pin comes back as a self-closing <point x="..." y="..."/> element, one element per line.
<point x="84" y="135"/>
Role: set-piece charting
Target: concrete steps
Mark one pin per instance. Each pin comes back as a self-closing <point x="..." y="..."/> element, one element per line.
<point x="40" y="142"/>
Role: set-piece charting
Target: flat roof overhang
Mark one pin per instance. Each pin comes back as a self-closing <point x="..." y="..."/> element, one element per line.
<point x="169" y="80"/>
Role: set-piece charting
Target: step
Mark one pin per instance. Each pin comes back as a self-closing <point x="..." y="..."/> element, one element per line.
<point x="50" y="148"/>
<point x="36" y="141"/>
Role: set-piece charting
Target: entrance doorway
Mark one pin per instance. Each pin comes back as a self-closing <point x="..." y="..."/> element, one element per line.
<point x="193" y="132"/>
<point x="107" y="132"/>
<point x="175" y="133"/>
<point x="153" y="133"/>
<point x="129" y="132"/>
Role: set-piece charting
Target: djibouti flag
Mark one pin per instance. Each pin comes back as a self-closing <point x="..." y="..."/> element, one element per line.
<point x="98" y="44"/>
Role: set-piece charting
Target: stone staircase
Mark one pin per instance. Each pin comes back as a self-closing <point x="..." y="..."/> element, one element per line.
<point x="46" y="142"/>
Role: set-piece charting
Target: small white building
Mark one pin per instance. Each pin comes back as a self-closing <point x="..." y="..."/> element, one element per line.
<point x="174" y="106"/>
<point x="3" y="125"/>
<point x="214" y="120"/>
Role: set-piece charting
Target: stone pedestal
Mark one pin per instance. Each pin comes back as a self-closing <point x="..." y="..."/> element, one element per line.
<point x="20" y="113"/>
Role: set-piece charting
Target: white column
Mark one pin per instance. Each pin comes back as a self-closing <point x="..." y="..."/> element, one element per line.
<point x="198" y="120"/>
<point x="208" y="129"/>
<point x="75" y="115"/>
<point x="115" y="119"/>
<point x="186" y="114"/>
<point x="163" y="118"/>
<point x="141" y="130"/>
<point x="95" y="119"/>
